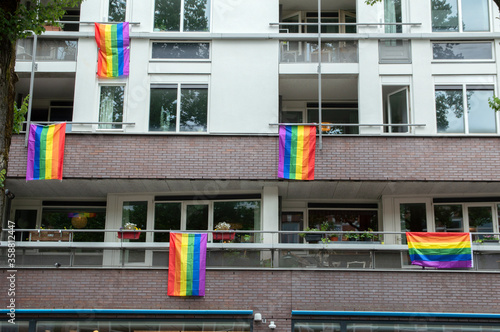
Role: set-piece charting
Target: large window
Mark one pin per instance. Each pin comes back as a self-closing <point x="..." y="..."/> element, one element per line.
<point x="460" y="15"/>
<point x="182" y="15"/>
<point x="393" y="14"/>
<point x="117" y="10"/>
<point x="464" y="109"/>
<point x="111" y="106"/>
<point x="335" y="113"/>
<point x="175" y="50"/>
<point x="178" y="108"/>
<point x="462" y="51"/>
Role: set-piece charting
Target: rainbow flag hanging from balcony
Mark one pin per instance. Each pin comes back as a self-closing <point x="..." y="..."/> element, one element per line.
<point x="186" y="265"/>
<point x="114" y="54"/>
<point x="46" y="152"/>
<point x="440" y="250"/>
<point x="297" y="150"/>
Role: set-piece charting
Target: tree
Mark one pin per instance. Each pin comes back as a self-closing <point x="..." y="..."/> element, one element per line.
<point x="18" y="21"/>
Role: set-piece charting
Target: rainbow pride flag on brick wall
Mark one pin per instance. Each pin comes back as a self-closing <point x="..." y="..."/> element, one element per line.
<point x="46" y="152"/>
<point x="186" y="265"/>
<point x="114" y="54"/>
<point x="440" y="250"/>
<point x="297" y="150"/>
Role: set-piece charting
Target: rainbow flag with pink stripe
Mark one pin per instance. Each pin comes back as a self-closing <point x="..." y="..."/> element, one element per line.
<point x="46" y="152"/>
<point x="187" y="264"/>
<point x="114" y="54"/>
<point x="440" y="250"/>
<point x="297" y="150"/>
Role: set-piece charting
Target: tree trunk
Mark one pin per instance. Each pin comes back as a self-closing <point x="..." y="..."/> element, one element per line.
<point x="8" y="78"/>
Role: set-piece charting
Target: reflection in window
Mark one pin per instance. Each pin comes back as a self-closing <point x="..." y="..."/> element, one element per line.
<point x="186" y="112"/>
<point x="393" y="14"/>
<point x="197" y="217"/>
<point x="462" y="51"/>
<point x="448" y="218"/>
<point x="136" y="213"/>
<point x="480" y="220"/>
<point x="413" y="218"/>
<point x="167" y="216"/>
<point x="242" y="215"/>
<point x="181" y="50"/>
<point x="344" y="220"/>
<point x="76" y="218"/>
<point x="450" y="115"/>
<point x="117" y="10"/>
<point x="111" y="106"/>
<point x="195" y="16"/>
<point x="473" y="13"/>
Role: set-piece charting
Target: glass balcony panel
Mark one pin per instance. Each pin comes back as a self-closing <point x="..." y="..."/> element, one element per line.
<point x="47" y="49"/>
<point x="331" y="52"/>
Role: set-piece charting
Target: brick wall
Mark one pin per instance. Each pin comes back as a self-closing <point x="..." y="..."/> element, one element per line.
<point x="256" y="157"/>
<point x="273" y="293"/>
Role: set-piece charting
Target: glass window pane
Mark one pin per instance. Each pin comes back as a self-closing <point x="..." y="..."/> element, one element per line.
<point x="196" y="15"/>
<point x="291" y="221"/>
<point x="117" y="10"/>
<point x="163" y="109"/>
<point x="413" y="218"/>
<point x="475" y="15"/>
<point x="167" y="216"/>
<point x="316" y="327"/>
<point x="448" y="218"/>
<point x="449" y="111"/>
<point x="480" y="220"/>
<point x="24" y="219"/>
<point x="111" y="106"/>
<point x="194" y="102"/>
<point x="136" y="213"/>
<point x="242" y="215"/>
<point x="335" y="116"/>
<point x="393" y="14"/>
<point x="482" y="119"/>
<point x="466" y="51"/>
<point x="444" y="15"/>
<point x="181" y="50"/>
<point x="398" y="110"/>
<point x="291" y="117"/>
<point x="76" y="218"/>
<point x="167" y="15"/>
<point x="197" y="217"/>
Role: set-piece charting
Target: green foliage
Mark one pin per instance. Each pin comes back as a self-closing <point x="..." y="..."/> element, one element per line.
<point x="494" y="103"/>
<point x="2" y="177"/>
<point x="19" y="115"/>
<point x="372" y="2"/>
<point x="15" y="25"/>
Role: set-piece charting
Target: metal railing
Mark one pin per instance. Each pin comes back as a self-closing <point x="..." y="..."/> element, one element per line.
<point x="44" y="248"/>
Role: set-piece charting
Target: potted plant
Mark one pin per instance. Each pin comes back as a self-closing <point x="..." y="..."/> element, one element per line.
<point x="225" y="236"/>
<point x="310" y="237"/>
<point x="488" y="239"/>
<point x="129" y="231"/>
<point x="370" y="236"/>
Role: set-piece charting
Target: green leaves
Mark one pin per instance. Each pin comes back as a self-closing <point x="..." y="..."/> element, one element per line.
<point x="494" y="103"/>
<point x="19" y="115"/>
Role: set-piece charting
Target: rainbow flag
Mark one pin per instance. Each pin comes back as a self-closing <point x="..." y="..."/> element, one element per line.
<point x="440" y="250"/>
<point x="46" y="152"/>
<point x="297" y="149"/>
<point x="186" y="265"/>
<point x="114" y="54"/>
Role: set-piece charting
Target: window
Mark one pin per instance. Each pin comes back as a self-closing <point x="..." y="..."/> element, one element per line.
<point x="393" y="14"/>
<point x="117" y="10"/>
<point x="174" y="50"/>
<point x="111" y="106"/>
<point x="464" y="109"/>
<point x="344" y="220"/>
<point x="448" y="218"/>
<point x="394" y="51"/>
<point x="178" y="108"/>
<point x="460" y="15"/>
<point x="182" y="15"/>
<point x="396" y="110"/>
<point x="462" y="51"/>
<point x="340" y="16"/>
<point x="335" y="113"/>
<point x="468" y="217"/>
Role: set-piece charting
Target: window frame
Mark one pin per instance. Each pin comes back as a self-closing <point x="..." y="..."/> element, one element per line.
<point x="492" y="59"/>
<point x="126" y="18"/>
<point x="157" y="85"/>
<point x="387" y="110"/>
<point x="124" y="113"/>
<point x="461" y="23"/>
<point x="181" y="18"/>
<point x="463" y="85"/>
<point x="209" y="59"/>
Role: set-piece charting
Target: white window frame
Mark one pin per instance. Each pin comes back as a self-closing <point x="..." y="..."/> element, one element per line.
<point x="127" y="9"/>
<point x="151" y="59"/>
<point x="465" y="81"/>
<point x="492" y="59"/>
<point x="181" y="14"/>
<point x="178" y="110"/>
<point x="408" y="108"/>
<point x="124" y="111"/>
<point x="460" y="20"/>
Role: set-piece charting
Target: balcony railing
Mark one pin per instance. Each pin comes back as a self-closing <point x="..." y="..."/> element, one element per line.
<point x="308" y="52"/>
<point x="239" y="249"/>
<point x="47" y="49"/>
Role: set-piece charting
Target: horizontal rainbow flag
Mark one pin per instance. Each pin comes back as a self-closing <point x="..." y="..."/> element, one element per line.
<point x="186" y="265"/>
<point x="297" y="150"/>
<point x="114" y="54"/>
<point x="440" y="250"/>
<point x="46" y="152"/>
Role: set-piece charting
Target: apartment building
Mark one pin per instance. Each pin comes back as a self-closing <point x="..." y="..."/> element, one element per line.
<point x="189" y="139"/>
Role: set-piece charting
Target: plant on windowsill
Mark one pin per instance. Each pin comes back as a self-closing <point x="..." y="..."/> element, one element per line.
<point x="370" y="236"/>
<point x="488" y="239"/>
<point x="129" y="231"/>
<point x="311" y="237"/>
<point x="224" y="236"/>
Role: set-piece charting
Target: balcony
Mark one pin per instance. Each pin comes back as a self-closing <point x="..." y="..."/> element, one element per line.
<point x="308" y="52"/>
<point x="246" y="249"/>
<point x="48" y="49"/>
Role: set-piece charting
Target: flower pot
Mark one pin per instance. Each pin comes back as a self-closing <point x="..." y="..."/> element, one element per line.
<point x="229" y="236"/>
<point x="313" y="237"/>
<point x="129" y="235"/>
